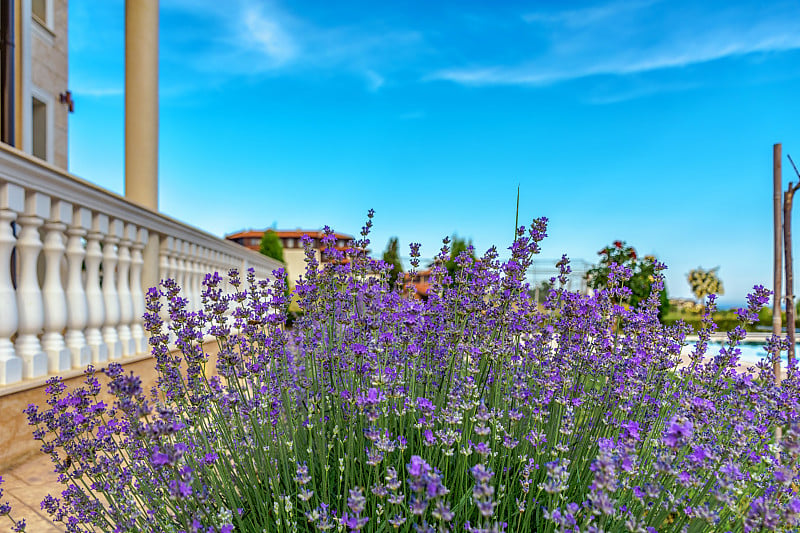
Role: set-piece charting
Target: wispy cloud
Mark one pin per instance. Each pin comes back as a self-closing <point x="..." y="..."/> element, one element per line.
<point x="261" y="38"/>
<point x="413" y="115"/>
<point x="626" y="38"/>
<point x="99" y="92"/>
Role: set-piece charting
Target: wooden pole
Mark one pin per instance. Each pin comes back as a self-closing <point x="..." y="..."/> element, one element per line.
<point x="787" y="252"/>
<point x="787" y="244"/>
<point x="777" y="249"/>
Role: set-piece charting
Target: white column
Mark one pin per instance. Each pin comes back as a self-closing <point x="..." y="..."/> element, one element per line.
<point x="29" y="295"/>
<point x="124" y="290"/>
<point x="167" y="272"/>
<point x="163" y="258"/>
<point x="94" y="295"/>
<point x="191" y="277"/>
<point x="77" y="307"/>
<point x="12" y="198"/>
<point x="55" y="299"/>
<point x="141" y="102"/>
<point x="174" y="267"/>
<point x="137" y="292"/>
<point x="110" y="295"/>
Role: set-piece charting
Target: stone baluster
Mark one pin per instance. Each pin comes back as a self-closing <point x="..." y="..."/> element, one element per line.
<point x="54" y="297"/>
<point x="12" y="199"/>
<point x="29" y="295"/>
<point x="94" y="294"/>
<point x="163" y="258"/>
<point x="110" y="294"/>
<point x="191" y="277"/>
<point x="175" y="272"/>
<point x="124" y="290"/>
<point x="77" y="307"/>
<point x="166" y="264"/>
<point x="202" y="269"/>
<point x="137" y="292"/>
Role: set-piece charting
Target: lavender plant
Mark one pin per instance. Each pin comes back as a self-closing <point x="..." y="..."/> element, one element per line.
<point x="475" y="410"/>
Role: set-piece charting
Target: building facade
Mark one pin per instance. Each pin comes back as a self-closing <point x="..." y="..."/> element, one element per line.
<point x="292" y="242"/>
<point x="34" y="83"/>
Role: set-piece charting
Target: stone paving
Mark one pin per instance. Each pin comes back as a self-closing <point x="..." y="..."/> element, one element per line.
<point x="24" y="487"/>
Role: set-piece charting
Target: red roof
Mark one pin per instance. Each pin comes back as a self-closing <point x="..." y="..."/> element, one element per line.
<point x="288" y="234"/>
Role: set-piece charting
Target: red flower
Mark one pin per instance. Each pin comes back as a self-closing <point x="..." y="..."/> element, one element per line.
<point x="618" y="244"/>
<point x="633" y="254"/>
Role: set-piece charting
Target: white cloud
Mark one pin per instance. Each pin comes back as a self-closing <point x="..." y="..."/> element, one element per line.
<point x="374" y="80"/>
<point x="630" y="38"/>
<point x="262" y="37"/>
<point x="265" y="33"/>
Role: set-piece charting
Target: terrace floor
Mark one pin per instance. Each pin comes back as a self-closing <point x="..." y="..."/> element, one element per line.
<point x="25" y="486"/>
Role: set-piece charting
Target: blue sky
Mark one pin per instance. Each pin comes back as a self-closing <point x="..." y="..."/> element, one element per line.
<point x="646" y="121"/>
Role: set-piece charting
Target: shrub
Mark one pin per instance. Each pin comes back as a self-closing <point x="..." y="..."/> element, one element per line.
<point x="475" y="410"/>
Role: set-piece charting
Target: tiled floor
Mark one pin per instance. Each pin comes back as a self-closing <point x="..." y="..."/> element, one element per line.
<point x="24" y="487"/>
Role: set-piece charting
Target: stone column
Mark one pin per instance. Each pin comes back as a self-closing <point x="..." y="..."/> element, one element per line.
<point x="141" y="102"/>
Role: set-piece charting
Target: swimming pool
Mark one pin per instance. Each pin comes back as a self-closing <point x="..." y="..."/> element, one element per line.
<point x="752" y="352"/>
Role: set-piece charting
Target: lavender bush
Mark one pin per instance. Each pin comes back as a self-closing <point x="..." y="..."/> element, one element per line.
<point x="476" y="410"/>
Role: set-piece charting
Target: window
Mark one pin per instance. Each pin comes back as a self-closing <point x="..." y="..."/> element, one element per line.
<point x="39" y="8"/>
<point x="39" y="125"/>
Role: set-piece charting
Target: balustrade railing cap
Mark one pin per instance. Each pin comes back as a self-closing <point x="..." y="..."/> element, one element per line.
<point x="81" y="217"/>
<point x="37" y="204"/>
<point x="100" y="223"/>
<point x="12" y="197"/>
<point x="60" y="211"/>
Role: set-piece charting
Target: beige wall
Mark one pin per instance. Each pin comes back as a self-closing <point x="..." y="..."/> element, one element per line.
<point x="295" y="259"/>
<point x="49" y="73"/>
<point x="16" y="439"/>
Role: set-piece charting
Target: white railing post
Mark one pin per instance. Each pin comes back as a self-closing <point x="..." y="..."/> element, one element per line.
<point x="12" y="199"/>
<point x="124" y="290"/>
<point x="191" y="277"/>
<point x="183" y="275"/>
<point x="94" y="295"/>
<point x="110" y="295"/>
<point x="137" y="292"/>
<point x="77" y="308"/>
<point x="29" y="295"/>
<point x="54" y="297"/>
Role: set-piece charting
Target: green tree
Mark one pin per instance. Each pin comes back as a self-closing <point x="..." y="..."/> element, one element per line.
<point x="457" y="246"/>
<point x="392" y="256"/>
<point x="271" y="245"/>
<point x="642" y="277"/>
<point x="704" y="282"/>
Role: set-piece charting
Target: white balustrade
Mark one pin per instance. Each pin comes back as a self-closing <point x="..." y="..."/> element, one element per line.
<point x="12" y="199"/>
<point x="110" y="296"/>
<point x="78" y="297"/>
<point x="29" y="296"/>
<point x="54" y="297"/>
<point x="77" y="307"/>
<point x="94" y="295"/>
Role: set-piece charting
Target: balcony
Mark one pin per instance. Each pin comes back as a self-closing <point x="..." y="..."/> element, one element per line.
<point x="75" y="263"/>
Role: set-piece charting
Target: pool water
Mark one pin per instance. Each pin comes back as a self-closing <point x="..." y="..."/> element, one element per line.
<point x="752" y="352"/>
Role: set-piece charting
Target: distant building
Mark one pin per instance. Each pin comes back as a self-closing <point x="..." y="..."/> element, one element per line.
<point x="293" y="252"/>
<point x="420" y="282"/>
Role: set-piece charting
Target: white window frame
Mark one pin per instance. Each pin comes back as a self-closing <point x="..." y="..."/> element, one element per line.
<point x="49" y="102"/>
<point x="48" y="15"/>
